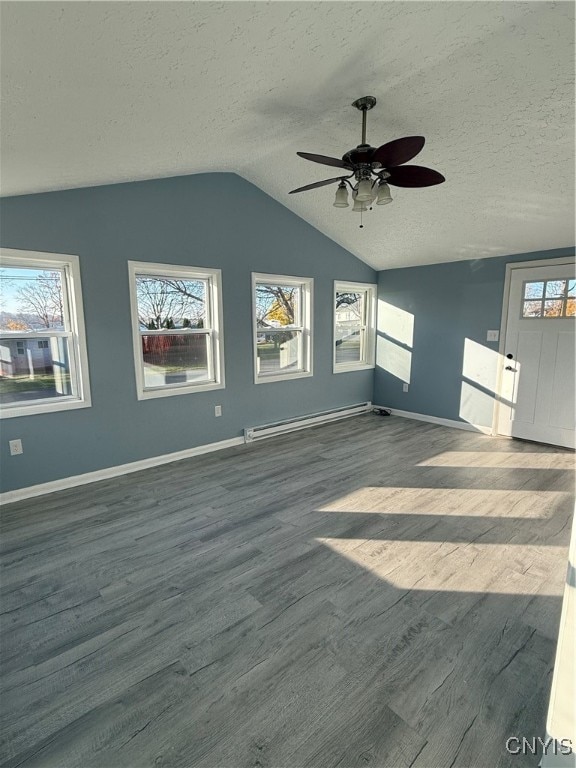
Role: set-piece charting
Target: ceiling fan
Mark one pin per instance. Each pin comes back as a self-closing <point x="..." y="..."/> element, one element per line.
<point x="374" y="168"/>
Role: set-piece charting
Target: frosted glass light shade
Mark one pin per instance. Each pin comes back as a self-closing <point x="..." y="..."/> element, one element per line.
<point x="359" y="206"/>
<point x="364" y="194"/>
<point x="341" y="199"/>
<point x="384" y="195"/>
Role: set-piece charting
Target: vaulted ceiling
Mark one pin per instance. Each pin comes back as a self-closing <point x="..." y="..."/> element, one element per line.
<point x="96" y="93"/>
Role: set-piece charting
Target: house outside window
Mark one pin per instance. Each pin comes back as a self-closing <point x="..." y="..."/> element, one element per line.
<point x="354" y="326"/>
<point x="282" y="320"/>
<point x="43" y="358"/>
<point x="177" y="329"/>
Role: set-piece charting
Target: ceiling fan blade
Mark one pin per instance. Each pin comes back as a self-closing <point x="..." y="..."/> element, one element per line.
<point x="398" y="151"/>
<point x="316" y="184"/>
<point x="414" y="176"/>
<point x="323" y="159"/>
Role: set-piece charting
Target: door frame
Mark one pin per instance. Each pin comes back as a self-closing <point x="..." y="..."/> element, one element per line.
<point x="510" y="267"/>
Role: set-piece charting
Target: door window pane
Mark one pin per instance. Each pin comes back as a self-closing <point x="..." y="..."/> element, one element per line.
<point x="532" y="309"/>
<point x="555" y="289"/>
<point x="549" y="298"/>
<point x="533" y="290"/>
<point x="553" y="309"/>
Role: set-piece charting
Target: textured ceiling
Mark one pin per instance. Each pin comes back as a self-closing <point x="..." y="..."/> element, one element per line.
<point x="95" y="93"/>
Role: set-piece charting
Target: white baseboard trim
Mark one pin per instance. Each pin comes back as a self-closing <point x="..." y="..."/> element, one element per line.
<point x="121" y="469"/>
<point x="436" y="420"/>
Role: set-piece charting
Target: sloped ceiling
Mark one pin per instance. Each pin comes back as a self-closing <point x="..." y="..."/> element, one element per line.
<point x="95" y="93"/>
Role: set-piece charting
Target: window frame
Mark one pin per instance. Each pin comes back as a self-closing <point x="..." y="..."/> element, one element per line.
<point x="213" y="277"/>
<point x="368" y="360"/>
<point x="306" y="285"/>
<point x="75" y="331"/>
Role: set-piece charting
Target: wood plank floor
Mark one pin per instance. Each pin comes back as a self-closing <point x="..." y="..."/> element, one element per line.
<point x="376" y="591"/>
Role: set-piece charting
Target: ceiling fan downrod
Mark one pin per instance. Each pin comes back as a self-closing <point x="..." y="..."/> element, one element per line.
<point x="364" y="104"/>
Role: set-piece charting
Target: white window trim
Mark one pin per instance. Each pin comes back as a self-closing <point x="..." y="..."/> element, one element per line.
<point x="214" y="278"/>
<point x="341" y="286"/>
<point x="74" y="317"/>
<point x="307" y="286"/>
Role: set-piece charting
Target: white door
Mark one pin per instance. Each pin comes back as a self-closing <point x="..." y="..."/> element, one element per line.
<point x="537" y="391"/>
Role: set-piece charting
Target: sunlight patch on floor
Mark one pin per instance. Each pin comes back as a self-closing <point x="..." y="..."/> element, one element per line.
<point x="446" y="567"/>
<point x="448" y="501"/>
<point x="490" y="458"/>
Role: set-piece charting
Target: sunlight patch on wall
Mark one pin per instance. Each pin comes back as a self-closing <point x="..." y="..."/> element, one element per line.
<point x="476" y="407"/>
<point x="396" y="323"/>
<point x="480" y="370"/>
<point x="501" y="459"/>
<point x="393" y="358"/>
<point x="443" y="567"/>
<point x="390" y="500"/>
<point x="480" y="365"/>
<point x="395" y="340"/>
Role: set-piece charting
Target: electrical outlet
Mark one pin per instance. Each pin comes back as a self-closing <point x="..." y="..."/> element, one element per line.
<point x="217" y="410"/>
<point x="404" y="387"/>
<point x="15" y="447"/>
<point x="492" y="335"/>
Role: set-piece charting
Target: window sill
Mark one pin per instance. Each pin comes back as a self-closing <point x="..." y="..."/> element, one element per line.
<point x="36" y="408"/>
<point x="349" y="368"/>
<point x="149" y="394"/>
<point x="282" y="377"/>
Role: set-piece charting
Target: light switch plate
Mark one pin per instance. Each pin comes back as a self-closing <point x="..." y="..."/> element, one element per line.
<point x="492" y="335"/>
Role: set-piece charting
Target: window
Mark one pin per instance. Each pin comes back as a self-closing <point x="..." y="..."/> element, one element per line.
<point x="43" y="361"/>
<point x="177" y="329"/>
<point x="354" y="326"/>
<point x="282" y="310"/>
<point x="549" y="298"/>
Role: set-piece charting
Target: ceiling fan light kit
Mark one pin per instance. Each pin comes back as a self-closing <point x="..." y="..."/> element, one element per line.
<point x="341" y="199"/>
<point x="374" y="169"/>
<point x="384" y="195"/>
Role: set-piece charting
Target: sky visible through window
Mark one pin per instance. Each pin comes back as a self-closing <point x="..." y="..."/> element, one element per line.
<point x="30" y="298"/>
<point x="10" y="281"/>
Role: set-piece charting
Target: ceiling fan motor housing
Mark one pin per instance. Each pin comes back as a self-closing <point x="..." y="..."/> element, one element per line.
<point x="360" y="159"/>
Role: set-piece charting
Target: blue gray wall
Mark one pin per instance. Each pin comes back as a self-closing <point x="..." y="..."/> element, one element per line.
<point x="208" y="220"/>
<point x="451" y="306"/>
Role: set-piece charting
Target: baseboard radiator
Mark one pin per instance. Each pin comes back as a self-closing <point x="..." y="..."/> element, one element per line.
<point x="303" y="422"/>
